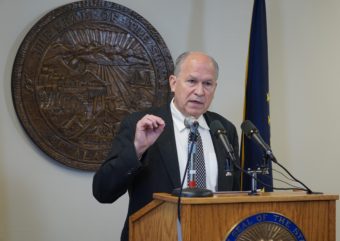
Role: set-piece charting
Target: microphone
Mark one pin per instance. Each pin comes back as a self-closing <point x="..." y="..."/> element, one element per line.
<point x="252" y="132"/>
<point x="191" y="123"/>
<point x="218" y="130"/>
<point x="190" y="169"/>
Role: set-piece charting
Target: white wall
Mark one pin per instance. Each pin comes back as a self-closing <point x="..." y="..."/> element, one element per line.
<point x="41" y="199"/>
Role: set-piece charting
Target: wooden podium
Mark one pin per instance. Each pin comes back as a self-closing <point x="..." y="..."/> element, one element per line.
<point x="211" y="219"/>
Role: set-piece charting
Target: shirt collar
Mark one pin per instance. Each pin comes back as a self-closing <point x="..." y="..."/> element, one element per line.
<point x="178" y="119"/>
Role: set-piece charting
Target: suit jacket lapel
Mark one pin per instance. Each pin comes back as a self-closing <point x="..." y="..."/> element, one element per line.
<point x="167" y="146"/>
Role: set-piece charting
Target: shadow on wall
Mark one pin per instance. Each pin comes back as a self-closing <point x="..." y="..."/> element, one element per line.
<point x="278" y="85"/>
<point x="17" y="216"/>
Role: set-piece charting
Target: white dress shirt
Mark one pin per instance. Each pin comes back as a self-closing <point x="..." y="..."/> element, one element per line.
<point x="181" y="136"/>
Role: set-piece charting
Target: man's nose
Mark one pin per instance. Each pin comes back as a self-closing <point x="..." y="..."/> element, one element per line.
<point x="199" y="90"/>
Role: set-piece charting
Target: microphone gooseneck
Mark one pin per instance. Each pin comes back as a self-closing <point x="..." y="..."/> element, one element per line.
<point x="192" y="125"/>
<point x="190" y="122"/>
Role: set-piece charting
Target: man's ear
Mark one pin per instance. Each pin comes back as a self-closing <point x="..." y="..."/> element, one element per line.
<point x="172" y="82"/>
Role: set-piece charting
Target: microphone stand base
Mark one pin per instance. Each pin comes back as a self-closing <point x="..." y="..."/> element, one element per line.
<point x="192" y="192"/>
<point x="252" y="193"/>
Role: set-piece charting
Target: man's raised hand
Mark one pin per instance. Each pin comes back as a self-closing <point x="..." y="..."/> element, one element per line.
<point x="148" y="129"/>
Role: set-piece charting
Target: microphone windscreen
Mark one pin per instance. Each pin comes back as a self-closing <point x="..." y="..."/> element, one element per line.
<point x="190" y="121"/>
<point x="216" y="126"/>
<point x="248" y="128"/>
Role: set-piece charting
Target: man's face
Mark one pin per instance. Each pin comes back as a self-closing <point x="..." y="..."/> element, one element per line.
<point x="194" y="86"/>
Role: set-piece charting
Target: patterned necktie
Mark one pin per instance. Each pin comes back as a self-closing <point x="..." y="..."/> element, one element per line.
<point x="198" y="165"/>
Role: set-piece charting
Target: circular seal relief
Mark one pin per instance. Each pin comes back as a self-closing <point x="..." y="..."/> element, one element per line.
<point x="266" y="227"/>
<point x="82" y="68"/>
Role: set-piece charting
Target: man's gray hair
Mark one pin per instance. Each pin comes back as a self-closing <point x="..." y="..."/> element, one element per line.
<point x="180" y="59"/>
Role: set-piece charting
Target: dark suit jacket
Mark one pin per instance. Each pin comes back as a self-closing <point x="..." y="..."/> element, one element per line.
<point x="158" y="169"/>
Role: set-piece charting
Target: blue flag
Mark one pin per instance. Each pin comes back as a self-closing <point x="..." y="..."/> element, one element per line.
<point x="256" y="103"/>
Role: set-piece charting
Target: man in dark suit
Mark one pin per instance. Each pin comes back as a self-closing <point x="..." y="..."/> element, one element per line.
<point x="150" y="151"/>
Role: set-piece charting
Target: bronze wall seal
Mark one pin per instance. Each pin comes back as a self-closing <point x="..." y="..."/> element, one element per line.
<point x="82" y="68"/>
